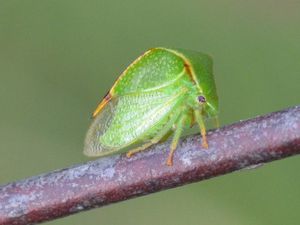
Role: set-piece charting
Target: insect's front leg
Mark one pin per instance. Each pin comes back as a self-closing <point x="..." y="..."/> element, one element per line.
<point x="201" y="124"/>
<point x="217" y="122"/>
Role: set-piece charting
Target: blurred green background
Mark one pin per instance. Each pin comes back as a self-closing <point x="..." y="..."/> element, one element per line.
<point x="58" y="58"/>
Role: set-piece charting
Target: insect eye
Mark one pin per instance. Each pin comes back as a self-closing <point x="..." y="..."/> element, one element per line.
<point x="201" y="99"/>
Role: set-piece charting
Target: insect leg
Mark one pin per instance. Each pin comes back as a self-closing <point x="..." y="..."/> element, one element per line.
<point x="217" y="122"/>
<point x="154" y="140"/>
<point x="142" y="147"/>
<point x="177" y="134"/>
<point x="166" y="137"/>
<point x="201" y="124"/>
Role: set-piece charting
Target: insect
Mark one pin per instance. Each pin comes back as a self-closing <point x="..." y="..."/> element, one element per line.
<point x="160" y="94"/>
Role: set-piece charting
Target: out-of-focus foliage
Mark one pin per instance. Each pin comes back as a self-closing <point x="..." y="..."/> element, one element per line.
<point x="58" y="58"/>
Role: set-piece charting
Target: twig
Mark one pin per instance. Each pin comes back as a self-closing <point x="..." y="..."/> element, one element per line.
<point x="116" y="178"/>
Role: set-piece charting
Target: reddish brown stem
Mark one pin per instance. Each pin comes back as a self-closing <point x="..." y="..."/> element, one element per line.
<point x="117" y="178"/>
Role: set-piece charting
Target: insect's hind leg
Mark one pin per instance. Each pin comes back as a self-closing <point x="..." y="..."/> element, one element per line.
<point x="176" y="137"/>
<point x="143" y="147"/>
<point x="158" y="137"/>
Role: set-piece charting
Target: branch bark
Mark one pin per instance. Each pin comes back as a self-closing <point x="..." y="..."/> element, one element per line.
<point x="117" y="178"/>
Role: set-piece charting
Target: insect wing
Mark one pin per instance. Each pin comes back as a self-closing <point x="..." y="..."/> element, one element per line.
<point x="92" y="144"/>
<point x="126" y="120"/>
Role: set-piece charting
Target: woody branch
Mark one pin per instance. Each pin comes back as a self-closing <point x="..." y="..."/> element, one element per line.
<point x="117" y="178"/>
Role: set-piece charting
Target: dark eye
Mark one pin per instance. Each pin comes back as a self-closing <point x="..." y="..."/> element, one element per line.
<point x="201" y="99"/>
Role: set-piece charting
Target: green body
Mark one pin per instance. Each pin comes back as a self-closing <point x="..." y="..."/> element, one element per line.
<point x="157" y="95"/>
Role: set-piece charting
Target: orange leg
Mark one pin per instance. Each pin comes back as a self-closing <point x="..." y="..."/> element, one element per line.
<point x="163" y="133"/>
<point x="201" y="124"/>
<point x="141" y="148"/>
<point x="176" y="137"/>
